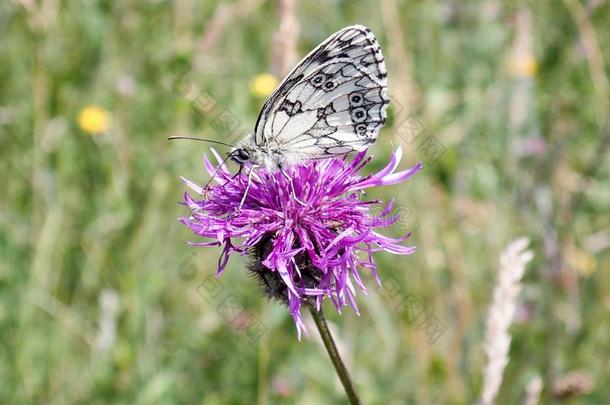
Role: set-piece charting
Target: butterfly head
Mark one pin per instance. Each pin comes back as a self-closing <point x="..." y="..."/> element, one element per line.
<point x="240" y="155"/>
<point x="247" y="152"/>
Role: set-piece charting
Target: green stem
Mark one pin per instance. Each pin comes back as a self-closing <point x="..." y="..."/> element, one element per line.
<point x="331" y="348"/>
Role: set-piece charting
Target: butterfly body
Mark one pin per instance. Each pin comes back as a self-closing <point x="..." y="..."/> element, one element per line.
<point x="332" y="103"/>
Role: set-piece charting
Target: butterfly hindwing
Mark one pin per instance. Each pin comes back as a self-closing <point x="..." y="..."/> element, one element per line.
<point x="332" y="103"/>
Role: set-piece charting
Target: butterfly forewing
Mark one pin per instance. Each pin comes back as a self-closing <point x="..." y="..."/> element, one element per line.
<point x="332" y="103"/>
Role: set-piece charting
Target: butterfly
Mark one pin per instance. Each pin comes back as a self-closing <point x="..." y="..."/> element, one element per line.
<point x="332" y="103"/>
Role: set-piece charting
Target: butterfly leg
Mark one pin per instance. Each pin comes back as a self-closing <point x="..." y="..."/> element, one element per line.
<point x="241" y="168"/>
<point x="250" y="173"/>
<point x="294" y="194"/>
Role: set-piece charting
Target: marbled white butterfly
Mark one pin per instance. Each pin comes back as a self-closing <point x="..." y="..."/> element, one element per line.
<point x="332" y="103"/>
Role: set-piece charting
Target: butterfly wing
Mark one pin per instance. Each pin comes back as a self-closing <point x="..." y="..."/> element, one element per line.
<point x="332" y="103"/>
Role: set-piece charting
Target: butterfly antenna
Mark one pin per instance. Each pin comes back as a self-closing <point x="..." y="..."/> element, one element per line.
<point x="192" y="138"/>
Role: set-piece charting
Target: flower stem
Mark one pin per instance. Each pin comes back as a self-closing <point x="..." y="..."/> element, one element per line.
<point x="329" y="343"/>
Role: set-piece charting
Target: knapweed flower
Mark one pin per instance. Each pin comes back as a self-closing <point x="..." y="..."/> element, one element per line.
<point x="93" y="120"/>
<point x="305" y="248"/>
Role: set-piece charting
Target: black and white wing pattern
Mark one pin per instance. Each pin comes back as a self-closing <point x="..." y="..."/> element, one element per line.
<point x="333" y="102"/>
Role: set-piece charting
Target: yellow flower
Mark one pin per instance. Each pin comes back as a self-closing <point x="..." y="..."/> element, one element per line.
<point x="263" y="85"/>
<point x="523" y="66"/>
<point x="93" y="119"/>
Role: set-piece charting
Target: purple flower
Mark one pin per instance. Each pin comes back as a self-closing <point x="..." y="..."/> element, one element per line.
<point x="303" y="250"/>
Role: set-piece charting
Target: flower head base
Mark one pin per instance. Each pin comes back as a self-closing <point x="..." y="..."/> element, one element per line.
<point x="302" y="252"/>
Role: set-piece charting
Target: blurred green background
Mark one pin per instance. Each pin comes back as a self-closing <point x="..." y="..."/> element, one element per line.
<point x="101" y="300"/>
